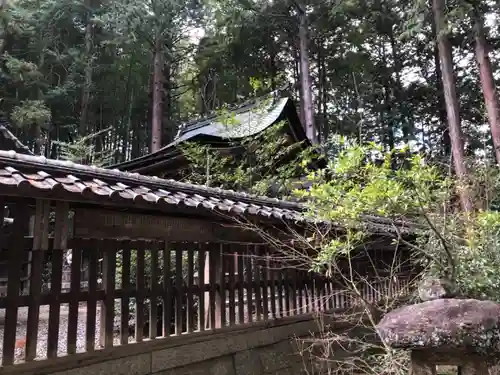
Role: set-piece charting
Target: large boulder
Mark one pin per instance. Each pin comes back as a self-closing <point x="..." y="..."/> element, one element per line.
<point x="455" y="325"/>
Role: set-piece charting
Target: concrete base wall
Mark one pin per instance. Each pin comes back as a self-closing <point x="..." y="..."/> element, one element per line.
<point x="262" y="349"/>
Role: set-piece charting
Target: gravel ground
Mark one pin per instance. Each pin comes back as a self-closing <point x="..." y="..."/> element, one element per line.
<point x="43" y="330"/>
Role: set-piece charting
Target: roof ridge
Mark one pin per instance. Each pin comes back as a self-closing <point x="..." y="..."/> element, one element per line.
<point x="98" y="172"/>
<point x="231" y="107"/>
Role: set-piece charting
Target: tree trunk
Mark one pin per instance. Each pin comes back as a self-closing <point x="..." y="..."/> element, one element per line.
<point x="386" y="113"/>
<point x="169" y="132"/>
<point x="451" y="100"/>
<point x="324" y="91"/>
<point x="445" y="139"/>
<point x="37" y="150"/>
<point x="126" y="113"/>
<point x="272" y="67"/>
<point x="305" y="78"/>
<point x="298" y="85"/>
<point x="385" y="108"/>
<point x="157" y="113"/>
<point x="319" y="122"/>
<point x="488" y="84"/>
<point x="401" y="117"/>
<point x="128" y="129"/>
<point x="135" y="149"/>
<point x="87" y="83"/>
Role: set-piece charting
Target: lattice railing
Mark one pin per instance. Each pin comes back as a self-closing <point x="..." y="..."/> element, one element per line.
<point x="127" y="291"/>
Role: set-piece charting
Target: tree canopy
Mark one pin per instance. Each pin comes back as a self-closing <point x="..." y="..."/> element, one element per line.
<point x="73" y="68"/>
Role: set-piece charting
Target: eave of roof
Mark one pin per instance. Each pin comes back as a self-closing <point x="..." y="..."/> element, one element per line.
<point x="24" y="175"/>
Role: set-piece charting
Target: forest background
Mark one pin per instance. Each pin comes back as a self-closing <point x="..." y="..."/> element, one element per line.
<point x="121" y="76"/>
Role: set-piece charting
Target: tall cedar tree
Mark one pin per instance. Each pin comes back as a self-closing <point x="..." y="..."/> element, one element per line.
<point x="452" y="106"/>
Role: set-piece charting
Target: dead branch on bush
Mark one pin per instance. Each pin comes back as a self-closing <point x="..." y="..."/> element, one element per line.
<point x="370" y="294"/>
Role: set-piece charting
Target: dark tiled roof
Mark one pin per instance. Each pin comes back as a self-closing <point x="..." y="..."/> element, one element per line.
<point x="243" y="121"/>
<point x="35" y="176"/>
<point x="25" y="173"/>
<point x="9" y="141"/>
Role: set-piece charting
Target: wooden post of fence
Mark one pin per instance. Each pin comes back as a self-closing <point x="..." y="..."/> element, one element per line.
<point x="40" y="246"/>
<point x="258" y="286"/>
<point x="2" y="217"/>
<point x="31" y="233"/>
<point x="213" y="302"/>
<point x="221" y="277"/>
<point x="179" y="289"/>
<point x="93" y="254"/>
<point x="288" y="290"/>
<point x="201" y="284"/>
<point x="167" y="290"/>
<point x="153" y="307"/>
<point x="190" y="285"/>
<point x="220" y="300"/>
<point x="15" y="258"/>
<point x="141" y="286"/>
<point x="107" y="306"/>
<point x="232" y="266"/>
<point x="206" y="277"/>
<point x="241" y="291"/>
<point x="75" y="284"/>
<point x="125" y="309"/>
<point x="60" y="245"/>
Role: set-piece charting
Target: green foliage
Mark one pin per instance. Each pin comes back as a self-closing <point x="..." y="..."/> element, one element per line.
<point x="363" y="180"/>
<point x="83" y="151"/>
<point x="46" y="54"/>
<point x="478" y="263"/>
<point x="22" y="71"/>
<point x="207" y="166"/>
<point x="31" y="112"/>
<point x="478" y="259"/>
<point x="264" y="165"/>
<point x="366" y="181"/>
<point x="227" y="118"/>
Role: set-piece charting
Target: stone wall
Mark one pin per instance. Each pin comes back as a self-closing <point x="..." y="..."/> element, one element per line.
<point x="261" y="349"/>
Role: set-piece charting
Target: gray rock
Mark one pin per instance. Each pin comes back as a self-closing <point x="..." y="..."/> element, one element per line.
<point x="463" y="325"/>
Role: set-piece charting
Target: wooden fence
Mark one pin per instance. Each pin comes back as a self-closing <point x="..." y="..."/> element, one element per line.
<point x="129" y="291"/>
